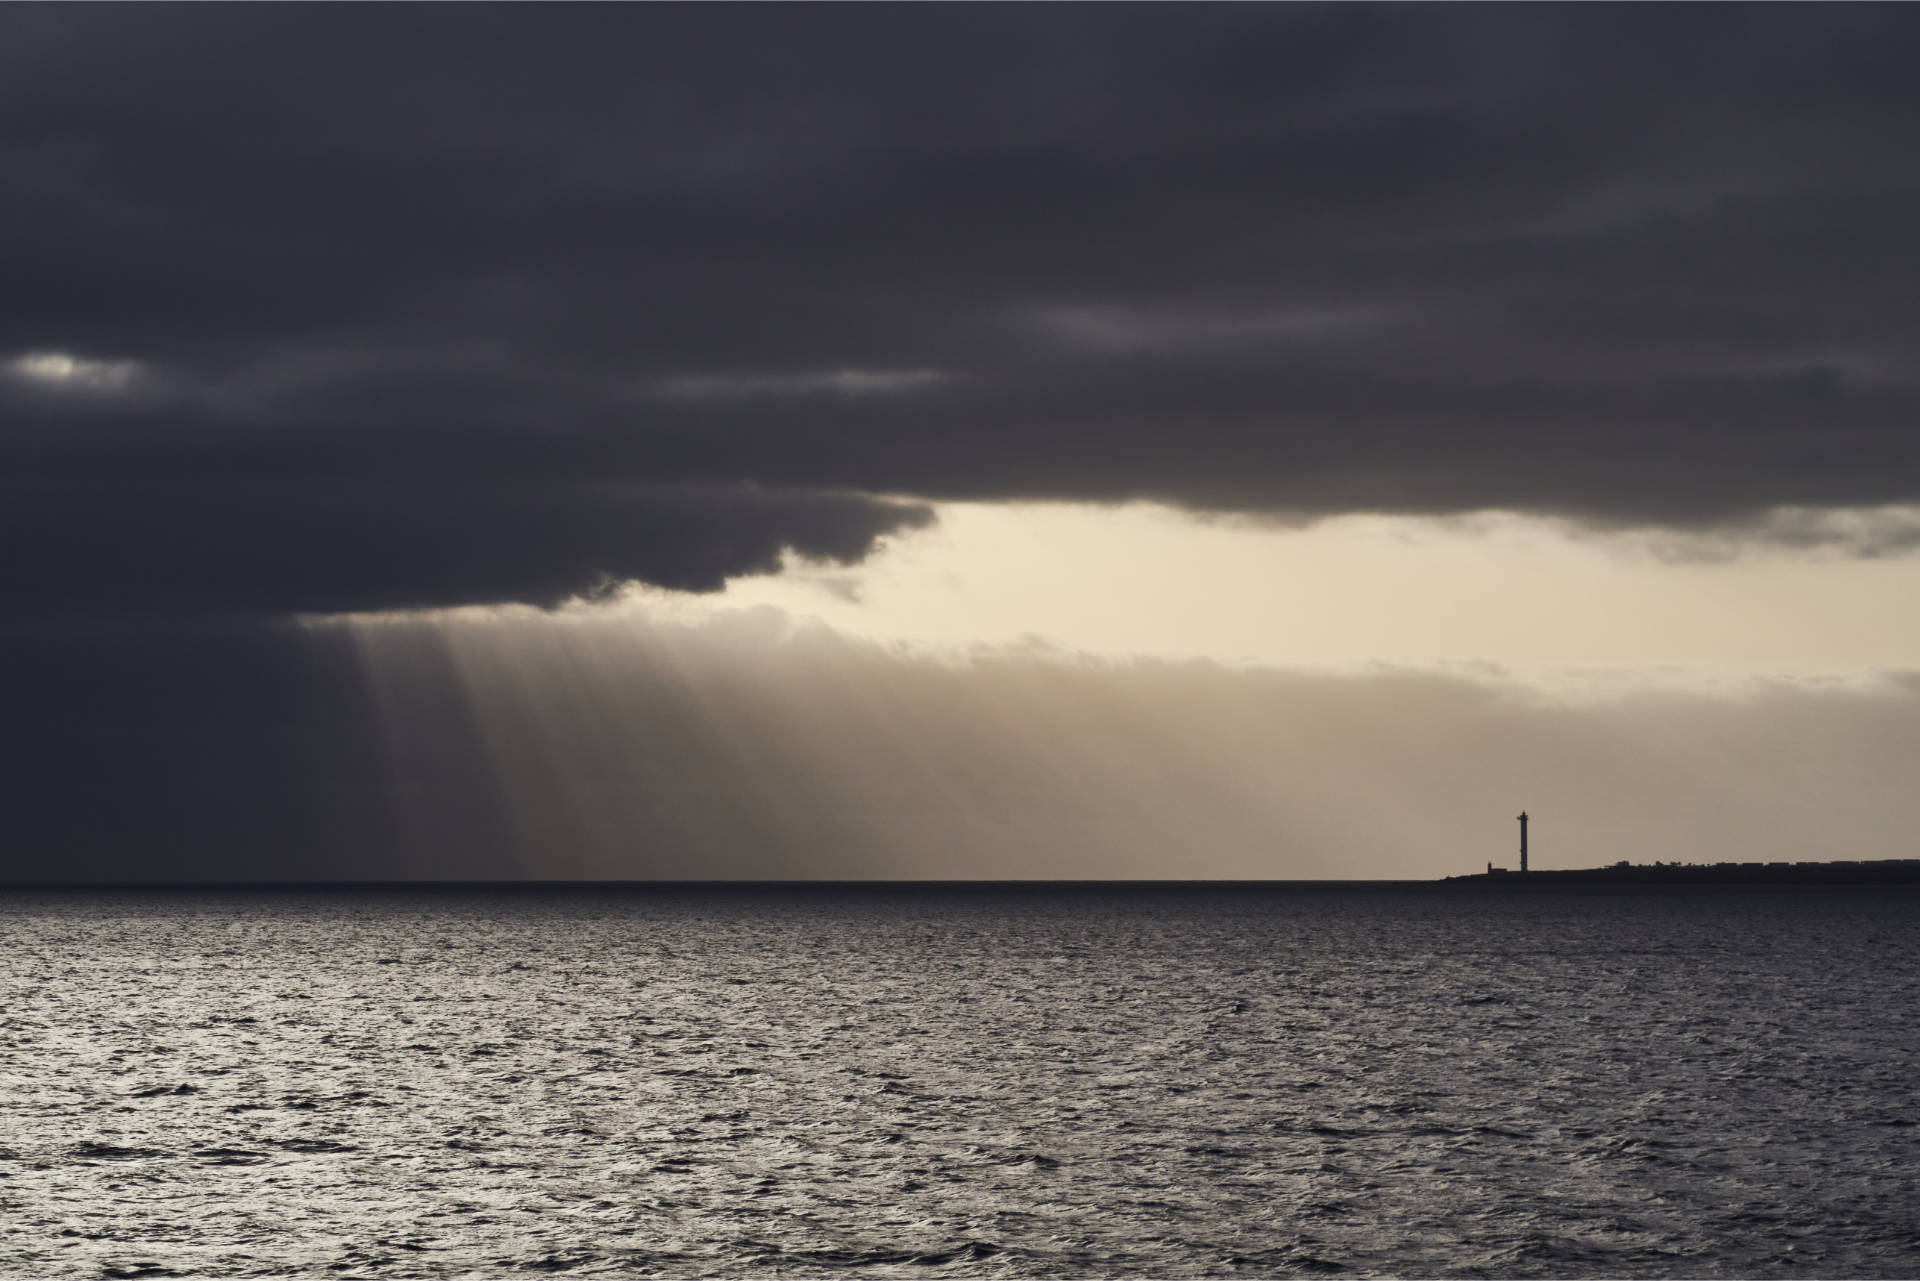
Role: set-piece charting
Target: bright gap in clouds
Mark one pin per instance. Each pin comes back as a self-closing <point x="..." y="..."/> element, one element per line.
<point x="63" y="370"/>
<point x="894" y="719"/>
<point x="1534" y="597"/>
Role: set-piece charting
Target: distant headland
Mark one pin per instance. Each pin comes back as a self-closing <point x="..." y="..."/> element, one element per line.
<point x="1885" y="871"/>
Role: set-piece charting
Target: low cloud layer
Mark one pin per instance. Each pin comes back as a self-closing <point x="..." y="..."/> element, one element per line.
<point x="314" y="309"/>
<point x="742" y="747"/>
<point x="202" y="547"/>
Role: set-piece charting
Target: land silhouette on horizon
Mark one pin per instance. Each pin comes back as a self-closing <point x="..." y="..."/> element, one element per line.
<point x="1809" y="872"/>
<point x="1828" y="872"/>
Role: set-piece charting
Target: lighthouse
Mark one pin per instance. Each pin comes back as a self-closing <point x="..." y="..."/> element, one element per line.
<point x="1523" y="840"/>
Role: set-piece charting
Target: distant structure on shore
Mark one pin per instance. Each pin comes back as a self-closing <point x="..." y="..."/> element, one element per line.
<point x="1885" y="871"/>
<point x="1492" y="870"/>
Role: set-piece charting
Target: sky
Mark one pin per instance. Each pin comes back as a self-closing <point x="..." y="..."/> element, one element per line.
<point x="712" y="442"/>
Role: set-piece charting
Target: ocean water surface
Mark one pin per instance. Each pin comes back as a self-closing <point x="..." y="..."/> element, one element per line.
<point x="939" y="1082"/>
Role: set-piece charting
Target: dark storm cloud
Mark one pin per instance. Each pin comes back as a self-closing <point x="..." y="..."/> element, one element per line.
<point x="415" y="305"/>
<point x="238" y="543"/>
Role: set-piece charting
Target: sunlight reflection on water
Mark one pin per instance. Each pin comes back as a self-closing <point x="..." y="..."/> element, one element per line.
<point x="978" y="1083"/>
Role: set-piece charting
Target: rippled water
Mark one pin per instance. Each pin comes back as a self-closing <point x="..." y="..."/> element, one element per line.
<point x="936" y="1083"/>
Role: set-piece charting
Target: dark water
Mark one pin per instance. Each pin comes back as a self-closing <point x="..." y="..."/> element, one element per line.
<point x="1063" y="1083"/>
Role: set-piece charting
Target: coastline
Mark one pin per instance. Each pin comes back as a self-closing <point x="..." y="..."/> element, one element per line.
<point x="1890" y="871"/>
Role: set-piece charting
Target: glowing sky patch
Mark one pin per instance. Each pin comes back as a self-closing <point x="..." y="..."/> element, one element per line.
<point x="1522" y="593"/>
<point x="61" y="370"/>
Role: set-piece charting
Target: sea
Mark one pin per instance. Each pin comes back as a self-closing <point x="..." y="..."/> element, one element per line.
<point x="950" y="1081"/>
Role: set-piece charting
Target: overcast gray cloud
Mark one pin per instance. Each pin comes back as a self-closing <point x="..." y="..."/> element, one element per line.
<point x="318" y="308"/>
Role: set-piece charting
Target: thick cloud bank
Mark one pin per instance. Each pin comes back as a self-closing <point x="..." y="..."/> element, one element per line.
<point x="366" y="543"/>
<point x="741" y="747"/>
<point x="310" y="308"/>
